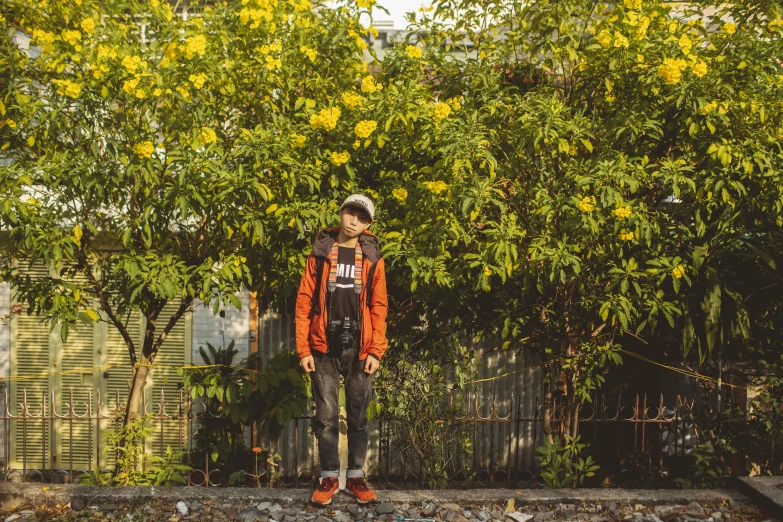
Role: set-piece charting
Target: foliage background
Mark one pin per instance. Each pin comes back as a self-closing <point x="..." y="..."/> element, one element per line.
<point x="568" y="177"/>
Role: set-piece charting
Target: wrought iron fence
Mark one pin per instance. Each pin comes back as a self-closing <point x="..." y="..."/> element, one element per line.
<point x="35" y="433"/>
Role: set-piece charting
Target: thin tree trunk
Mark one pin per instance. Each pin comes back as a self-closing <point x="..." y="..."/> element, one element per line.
<point x="148" y="354"/>
<point x="137" y="387"/>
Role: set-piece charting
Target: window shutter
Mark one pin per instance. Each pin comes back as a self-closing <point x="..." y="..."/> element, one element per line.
<point x="31" y="364"/>
<point x="75" y="381"/>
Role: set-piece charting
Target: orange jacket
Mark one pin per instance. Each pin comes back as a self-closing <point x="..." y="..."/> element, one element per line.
<point x="311" y="329"/>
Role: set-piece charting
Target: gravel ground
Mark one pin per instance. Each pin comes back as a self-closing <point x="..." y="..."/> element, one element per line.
<point x="344" y="510"/>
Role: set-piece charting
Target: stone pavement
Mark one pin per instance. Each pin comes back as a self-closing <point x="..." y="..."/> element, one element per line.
<point x="222" y="504"/>
<point x="766" y="491"/>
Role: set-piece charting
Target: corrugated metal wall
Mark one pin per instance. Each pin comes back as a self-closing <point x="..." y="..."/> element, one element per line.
<point x="517" y="384"/>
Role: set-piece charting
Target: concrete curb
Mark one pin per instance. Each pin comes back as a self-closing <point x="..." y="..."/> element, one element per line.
<point x="17" y="494"/>
<point x="765" y="491"/>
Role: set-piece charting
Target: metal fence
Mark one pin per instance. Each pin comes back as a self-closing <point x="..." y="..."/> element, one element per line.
<point x="35" y="432"/>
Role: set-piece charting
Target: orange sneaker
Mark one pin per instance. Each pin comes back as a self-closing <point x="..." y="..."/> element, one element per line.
<point x="323" y="495"/>
<point x="358" y="488"/>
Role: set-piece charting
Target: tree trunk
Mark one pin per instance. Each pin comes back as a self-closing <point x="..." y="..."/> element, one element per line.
<point x="137" y="387"/>
<point x="148" y="353"/>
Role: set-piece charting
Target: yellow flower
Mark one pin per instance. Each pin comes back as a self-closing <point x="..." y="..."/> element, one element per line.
<point x="400" y="194"/>
<point x="587" y="204"/>
<point x="352" y="100"/>
<point x="442" y="110"/>
<point x="356" y="144"/>
<point x="604" y="38"/>
<point x="42" y="36"/>
<point x="709" y="107"/>
<point x="144" y="149"/>
<point x="700" y="69"/>
<point x="303" y="6"/>
<point x="436" y="187"/>
<point x="685" y="44"/>
<point x="129" y="86"/>
<point x="68" y="88"/>
<point x="326" y="119"/>
<point x="338" y="158"/>
<point x="455" y="104"/>
<point x="640" y="58"/>
<point x="132" y="64"/>
<point x="273" y="63"/>
<point x="157" y="92"/>
<point x="256" y="15"/>
<point x="207" y="136"/>
<point x="11" y="123"/>
<point x="641" y="30"/>
<point x="99" y="70"/>
<point x="369" y="85"/>
<point x="775" y="25"/>
<point x="620" y="40"/>
<point x="729" y="28"/>
<point x="106" y="52"/>
<point x="633" y="4"/>
<point x="140" y="94"/>
<point x="73" y="37"/>
<point x="671" y="70"/>
<point x="610" y="98"/>
<point x="487" y="271"/>
<point x="360" y="43"/>
<point x="311" y="53"/>
<point x="88" y="25"/>
<point x="622" y="213"/>
<point x="678" y="272"/>
<point x="365" y="4"/>
<point x="373" y="31"/>
<point x="413" y="51"/>
<point x="364" y="128"/>
<point x="298" y="141"/>
<point x="195" y="45"/>
<point x="198" y="80"/>
<point x="625" y="235"/>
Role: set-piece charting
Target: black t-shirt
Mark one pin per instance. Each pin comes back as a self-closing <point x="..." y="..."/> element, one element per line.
<point x="345" y="301"/>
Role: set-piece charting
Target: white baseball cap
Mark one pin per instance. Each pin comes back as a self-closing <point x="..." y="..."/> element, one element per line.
<point x="357" y="200"/>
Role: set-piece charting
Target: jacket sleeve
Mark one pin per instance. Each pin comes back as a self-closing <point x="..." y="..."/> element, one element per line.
<point x="378" y="309"/>
<point x="304" y="300"/>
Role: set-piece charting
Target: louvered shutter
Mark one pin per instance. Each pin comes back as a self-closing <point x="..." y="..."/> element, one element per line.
<point x="75" y="379"/>
<point x="31" y="365"/>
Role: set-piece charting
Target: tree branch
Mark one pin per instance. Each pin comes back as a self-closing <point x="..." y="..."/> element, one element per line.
<point x="183" y="307"/>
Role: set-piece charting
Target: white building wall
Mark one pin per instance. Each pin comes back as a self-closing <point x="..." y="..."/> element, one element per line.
<point x="236" y="325"/>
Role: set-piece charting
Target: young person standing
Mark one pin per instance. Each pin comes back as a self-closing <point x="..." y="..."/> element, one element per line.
<point x="341" y="330"/>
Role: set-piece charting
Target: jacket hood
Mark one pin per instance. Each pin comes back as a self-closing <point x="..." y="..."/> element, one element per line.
<point x="326" y="237"/>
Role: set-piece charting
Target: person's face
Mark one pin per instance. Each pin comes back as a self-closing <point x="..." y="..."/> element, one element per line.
<point x="353" y="221"/>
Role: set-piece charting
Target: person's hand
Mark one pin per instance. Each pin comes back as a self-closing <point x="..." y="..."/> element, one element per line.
<point x="307" y="364"/>
<point x="371" y="364"/>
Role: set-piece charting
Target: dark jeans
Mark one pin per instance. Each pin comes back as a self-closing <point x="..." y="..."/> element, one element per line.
<point x="326" y="389"/>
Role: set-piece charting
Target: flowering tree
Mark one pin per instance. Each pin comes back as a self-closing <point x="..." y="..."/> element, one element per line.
<point x="154" y="155"/>
<point x="607" y="166"/>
